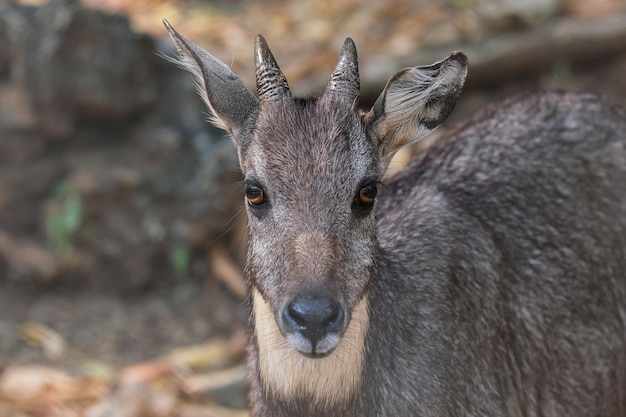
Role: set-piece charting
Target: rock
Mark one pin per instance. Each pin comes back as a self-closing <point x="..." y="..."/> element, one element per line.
<point x="15" y="109"/>
<point x="26" y="261"/>
<point x="510" y="15"/>
<point x="5" y="50"/>
<point x="78" y="63"/>
<point x="22" y="188"/>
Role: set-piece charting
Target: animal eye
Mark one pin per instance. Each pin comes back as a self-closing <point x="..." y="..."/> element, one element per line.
<point x="366" y="195"/>
<point x="255" y="195"/>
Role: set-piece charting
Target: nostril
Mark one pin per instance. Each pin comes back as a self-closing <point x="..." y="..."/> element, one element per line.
<point x="335" y="318"/>
<point x="297" y="313"/>
<point x="314" y="317"/>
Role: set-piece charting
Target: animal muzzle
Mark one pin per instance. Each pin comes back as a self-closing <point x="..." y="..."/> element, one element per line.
<point x="313" y="324"/>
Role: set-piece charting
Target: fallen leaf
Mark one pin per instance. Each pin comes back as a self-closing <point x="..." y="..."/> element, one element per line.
<point x="34" y="387"/>
<point x="30" y="381"/>
<point x="226" y="270"/>
<point x="211" y="381"/>
<point x="211" y="410"/>
<point x="50" y="341"/>
<point x="146" y="371"/>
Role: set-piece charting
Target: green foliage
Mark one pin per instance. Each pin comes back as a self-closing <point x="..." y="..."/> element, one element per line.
<point x="64" y="219"/>
<point x="462" y="3"/>
<point x="562" y="70"/>
<point x="180" y="259"/>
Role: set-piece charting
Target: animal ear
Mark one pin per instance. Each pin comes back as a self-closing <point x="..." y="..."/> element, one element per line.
<point x="232" y="104"/>
<point x="415" y="101"/>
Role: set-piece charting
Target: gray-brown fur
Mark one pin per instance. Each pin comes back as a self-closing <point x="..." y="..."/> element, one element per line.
<point x="489" y="278"/>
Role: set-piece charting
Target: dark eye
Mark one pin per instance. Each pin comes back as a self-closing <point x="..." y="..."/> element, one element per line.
<point x="366" y="195"/>
<point x="255" y="195"/>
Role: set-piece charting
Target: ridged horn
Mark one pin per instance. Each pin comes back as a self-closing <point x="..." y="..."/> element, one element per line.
<point x="271" y="84"/>
<point x="344" y="81"/>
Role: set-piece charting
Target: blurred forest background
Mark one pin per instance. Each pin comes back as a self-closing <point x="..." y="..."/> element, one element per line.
<point x="121" y="232"/>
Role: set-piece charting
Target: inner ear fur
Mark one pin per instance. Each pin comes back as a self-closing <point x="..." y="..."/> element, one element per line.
<point x="415" y="101"/>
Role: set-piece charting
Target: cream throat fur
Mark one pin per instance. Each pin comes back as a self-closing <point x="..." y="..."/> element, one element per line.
<point x="290" y="375"/>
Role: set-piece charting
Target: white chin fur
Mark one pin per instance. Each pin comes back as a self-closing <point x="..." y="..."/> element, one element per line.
<point x="323" y="347"/>
<point x="287" y="371"/>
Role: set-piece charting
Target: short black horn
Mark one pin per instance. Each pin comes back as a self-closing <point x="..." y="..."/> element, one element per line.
<point x="345" y="79"/>
<point x="271" y="84"/>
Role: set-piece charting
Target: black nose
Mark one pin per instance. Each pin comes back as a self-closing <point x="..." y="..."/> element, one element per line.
<point x="314" y="317"/>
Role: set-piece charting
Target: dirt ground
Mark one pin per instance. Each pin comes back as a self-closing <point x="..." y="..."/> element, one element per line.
<point x="114" y="329"/>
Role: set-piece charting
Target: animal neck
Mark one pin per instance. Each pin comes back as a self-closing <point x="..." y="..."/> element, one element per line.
<point x="288" y="375"/>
